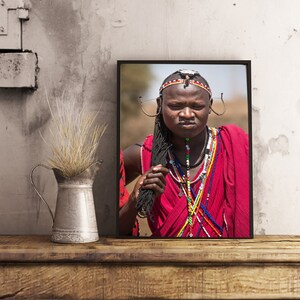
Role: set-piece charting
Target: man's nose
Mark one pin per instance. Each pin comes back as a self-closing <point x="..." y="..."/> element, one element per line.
<point x="187" y="113"/>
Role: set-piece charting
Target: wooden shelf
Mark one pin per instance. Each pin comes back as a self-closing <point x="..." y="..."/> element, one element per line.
<point x="114" y="268"/>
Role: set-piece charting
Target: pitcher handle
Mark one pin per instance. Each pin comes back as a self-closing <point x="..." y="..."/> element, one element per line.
<point x="39" y="194"/>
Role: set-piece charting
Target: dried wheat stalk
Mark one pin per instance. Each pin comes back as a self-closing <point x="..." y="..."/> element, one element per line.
<point x="74" y="138"/>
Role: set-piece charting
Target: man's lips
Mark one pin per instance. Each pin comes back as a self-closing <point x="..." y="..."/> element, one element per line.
<point x="187" y="124"/>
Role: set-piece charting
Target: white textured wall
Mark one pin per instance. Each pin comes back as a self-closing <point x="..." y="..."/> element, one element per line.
<point x="267" y="32"/>
<point x="78" y="44"/>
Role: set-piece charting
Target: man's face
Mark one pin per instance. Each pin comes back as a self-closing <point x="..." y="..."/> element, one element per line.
<point x="185" y="110"/>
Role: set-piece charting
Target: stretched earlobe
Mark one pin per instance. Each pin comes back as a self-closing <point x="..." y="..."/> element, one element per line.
<point x="158" y="101"/>
<point x="210" y="105"/>
<point x="158" y="110"/>
<point x="224" y="107"/>
<point x="159" y="104"/>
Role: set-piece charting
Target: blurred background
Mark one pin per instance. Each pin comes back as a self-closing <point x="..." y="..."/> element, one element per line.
<point x="142" y="81"/>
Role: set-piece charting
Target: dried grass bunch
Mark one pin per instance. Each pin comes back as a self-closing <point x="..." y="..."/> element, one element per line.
<point x="74" y="138"/>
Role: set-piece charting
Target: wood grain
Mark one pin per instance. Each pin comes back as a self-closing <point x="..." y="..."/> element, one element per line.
<point x="98" y="281"/>
<point x="260" y="249"/>
<point x="266" y="267"/>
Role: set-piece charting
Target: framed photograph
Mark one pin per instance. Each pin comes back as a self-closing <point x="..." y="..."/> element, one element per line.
<point x="184" y="144"/>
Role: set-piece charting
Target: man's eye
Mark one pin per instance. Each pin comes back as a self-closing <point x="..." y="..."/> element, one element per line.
<point x="175" y="106"/>
<point x="198" y="107"/>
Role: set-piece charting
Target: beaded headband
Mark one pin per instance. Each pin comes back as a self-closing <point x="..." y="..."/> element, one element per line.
<point x="183" y="81"/>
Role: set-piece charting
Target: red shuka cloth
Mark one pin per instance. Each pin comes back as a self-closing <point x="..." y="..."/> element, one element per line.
<point x="124" y="195"/>
<point x="229" y="201"/>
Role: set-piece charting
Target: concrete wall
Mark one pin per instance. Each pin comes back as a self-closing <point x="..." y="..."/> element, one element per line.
<point x="78" y="44"/>
<point x="72" y="56"/>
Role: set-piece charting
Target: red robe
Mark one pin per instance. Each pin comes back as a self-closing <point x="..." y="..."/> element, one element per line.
<point x="226" y="211"/>
<point x="124" y="195"/>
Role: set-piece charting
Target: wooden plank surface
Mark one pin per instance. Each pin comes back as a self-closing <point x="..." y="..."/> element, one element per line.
<point x="114" y="281"/>
<point x="264" y="249"/>
<point x="266" y="267"/>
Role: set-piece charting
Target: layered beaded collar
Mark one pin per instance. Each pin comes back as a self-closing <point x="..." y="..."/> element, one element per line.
<point x="197" y="210"/>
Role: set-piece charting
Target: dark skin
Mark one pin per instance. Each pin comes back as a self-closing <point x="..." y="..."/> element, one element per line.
<point x="153" y="179"/>
<point x="185" y="112"/>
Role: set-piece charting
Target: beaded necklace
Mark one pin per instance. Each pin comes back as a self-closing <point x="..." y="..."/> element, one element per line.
<point x="201" y="155"/>
<point x="188" y="184"/>
<point x="194" y="205"/>
<point x="179" y="176"/>
<point x="216" y="226"/>
<point x="201" y="188"/>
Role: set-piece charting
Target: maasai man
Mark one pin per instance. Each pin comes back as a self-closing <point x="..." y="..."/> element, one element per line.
<point x="194" y="179"/>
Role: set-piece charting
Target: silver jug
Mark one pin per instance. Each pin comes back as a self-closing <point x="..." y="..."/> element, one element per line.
<point x="75" y="216"/>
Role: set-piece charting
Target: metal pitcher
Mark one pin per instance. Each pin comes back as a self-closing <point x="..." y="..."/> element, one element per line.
<point x="75" y="216"/>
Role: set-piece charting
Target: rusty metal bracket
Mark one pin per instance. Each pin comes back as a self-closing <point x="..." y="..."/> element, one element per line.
<point x="22" y="7"/>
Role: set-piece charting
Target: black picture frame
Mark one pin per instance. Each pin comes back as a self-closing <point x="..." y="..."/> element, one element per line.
<point x="246" y="64"/>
